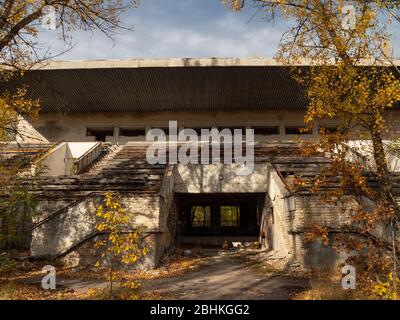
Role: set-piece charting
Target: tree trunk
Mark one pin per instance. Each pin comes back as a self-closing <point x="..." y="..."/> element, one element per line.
<point x="385" y="186"/>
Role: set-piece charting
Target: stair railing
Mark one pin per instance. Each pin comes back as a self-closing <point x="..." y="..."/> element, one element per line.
<point x="87" y="158"/>
<point x="64" y="209"/>
<point x="95" y="233"/>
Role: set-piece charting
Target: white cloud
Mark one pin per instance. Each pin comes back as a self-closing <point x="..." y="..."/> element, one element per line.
<point x="170" y="28"/>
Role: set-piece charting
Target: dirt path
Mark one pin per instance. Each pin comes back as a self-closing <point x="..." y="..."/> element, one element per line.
<point x="227" y="277"/>
<point x="234" y="276"/>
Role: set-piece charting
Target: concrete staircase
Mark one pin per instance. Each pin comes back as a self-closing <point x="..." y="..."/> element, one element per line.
<point x="121" y="168"/>
<point x="68" y="204"/>
<point x="108" y="152"/>
<point x="22" y="154"/>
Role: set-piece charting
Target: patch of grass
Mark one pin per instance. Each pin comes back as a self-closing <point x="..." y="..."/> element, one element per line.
<point x="11" y="268"/>
<point x="171" y="266"/>
<point x="325" y="284"/>
<point x="18" y="290"/>
<point x="7" y="265"/>
<point x="8" y="290"/>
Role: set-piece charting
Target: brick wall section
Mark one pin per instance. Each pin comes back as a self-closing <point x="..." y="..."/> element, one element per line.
<point x="293" y="215"/>
<point x="309" y="209"/>
<point x="144" y="210"/>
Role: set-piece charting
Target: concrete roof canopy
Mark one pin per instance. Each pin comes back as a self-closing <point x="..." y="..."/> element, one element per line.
<point x="146" y="85"/>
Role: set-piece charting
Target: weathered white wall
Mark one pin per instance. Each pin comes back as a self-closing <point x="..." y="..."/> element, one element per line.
<point x="54" y="163"/>
<point x="65" y="230"/>
<point x="60" y="160"/>
<point x="72" y="127"/>
<point x="28" y="134"/>
<point x="206" y="179"/>
<point x="279" y="233"/>
<point x="78" y="222"/>
<point x="78" y="149"/>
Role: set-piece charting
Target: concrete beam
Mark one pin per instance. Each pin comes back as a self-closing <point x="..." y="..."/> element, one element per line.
<point x="179" y="62"/>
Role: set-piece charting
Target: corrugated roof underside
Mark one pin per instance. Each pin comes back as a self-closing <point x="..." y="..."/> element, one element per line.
<point x="165" y="89"/>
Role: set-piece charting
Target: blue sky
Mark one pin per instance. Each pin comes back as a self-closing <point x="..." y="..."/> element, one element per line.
<point x="181" y="28"/>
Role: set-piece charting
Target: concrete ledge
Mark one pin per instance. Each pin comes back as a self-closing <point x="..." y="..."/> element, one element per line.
<point x="216" y="240"/>
<point x="179" y="62"/>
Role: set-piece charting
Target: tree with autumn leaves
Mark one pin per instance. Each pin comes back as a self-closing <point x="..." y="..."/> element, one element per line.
<point x="120" y="245"/>
<point x="21" y="23"/>
<point x="353" y="82"/>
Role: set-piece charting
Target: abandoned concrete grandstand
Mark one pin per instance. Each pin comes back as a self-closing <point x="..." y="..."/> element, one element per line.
<point x="90" y="138"/>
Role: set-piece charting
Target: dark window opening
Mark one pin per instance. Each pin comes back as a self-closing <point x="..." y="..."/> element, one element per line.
<point x="128" y="132"/>
<point x="100" y="134"/>
<point x="296" y="130"/>
<point x="232" y="132"/>
<point x="266" y="131"/>
<point x="230" y="216"/>
<point x="201" y="216"/>
<point x="220" y="128"/>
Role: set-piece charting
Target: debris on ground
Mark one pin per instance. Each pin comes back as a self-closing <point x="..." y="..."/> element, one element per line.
<point x="225" y="246"/>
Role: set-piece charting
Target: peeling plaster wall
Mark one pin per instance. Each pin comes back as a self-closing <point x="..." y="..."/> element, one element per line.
<point x="65" y="230"/>
<point x="79" y="222"/>
<point x="278" y="229"/>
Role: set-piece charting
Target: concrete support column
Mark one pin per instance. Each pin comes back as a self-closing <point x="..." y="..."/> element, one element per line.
<point x="147" y="128"/>
<point x="116" y="133"/>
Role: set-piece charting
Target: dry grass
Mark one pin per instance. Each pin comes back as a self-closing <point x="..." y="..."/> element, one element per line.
<point x="172" y="265"/>
<point x="325" y="284"/>
<point x="19" y="290"/>
<point x="14" y="277"/>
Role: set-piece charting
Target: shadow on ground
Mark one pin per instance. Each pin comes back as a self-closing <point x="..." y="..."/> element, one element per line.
<point x="229" y="277"/>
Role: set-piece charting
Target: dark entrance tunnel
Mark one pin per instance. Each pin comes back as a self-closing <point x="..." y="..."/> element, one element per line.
<point x="212" y="219"/>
